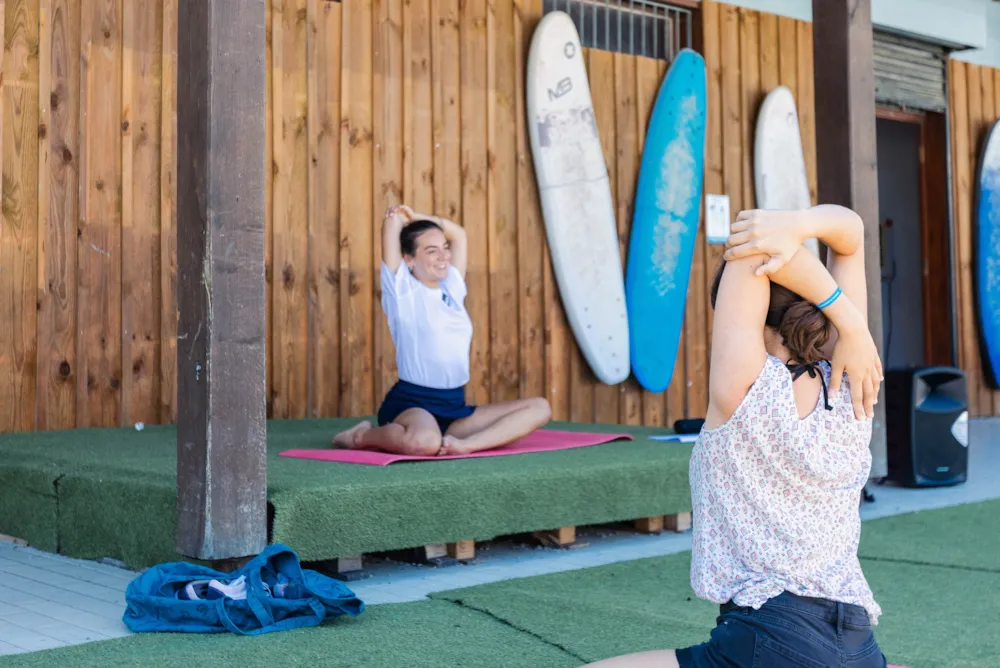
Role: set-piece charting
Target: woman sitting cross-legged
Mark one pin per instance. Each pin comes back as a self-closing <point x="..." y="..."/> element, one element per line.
<point x="423" y="296"/>
<point x="778" y="469"/>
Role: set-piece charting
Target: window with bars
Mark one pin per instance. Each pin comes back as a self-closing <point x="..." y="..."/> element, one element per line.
<point x="650" y="28"/>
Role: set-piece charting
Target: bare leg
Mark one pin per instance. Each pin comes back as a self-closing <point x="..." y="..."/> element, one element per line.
<point x="413" y="432"/>
<point x="495" y="425"/>
<point x="654" y="659"/>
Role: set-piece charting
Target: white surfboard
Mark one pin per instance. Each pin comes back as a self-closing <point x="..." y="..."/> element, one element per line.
<point x="779" y="166"/>
<point x="576" y="198"/>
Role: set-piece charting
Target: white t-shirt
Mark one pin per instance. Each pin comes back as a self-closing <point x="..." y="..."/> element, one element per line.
<point x="430" y="327"/>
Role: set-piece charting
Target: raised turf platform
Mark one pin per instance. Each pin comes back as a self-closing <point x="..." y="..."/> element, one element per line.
<point x="95" y="493"/>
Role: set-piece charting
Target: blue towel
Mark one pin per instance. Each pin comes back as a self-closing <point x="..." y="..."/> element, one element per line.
<point x="279" y="595"/>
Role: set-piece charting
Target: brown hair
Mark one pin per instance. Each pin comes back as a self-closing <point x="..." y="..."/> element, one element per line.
<point x="803" y="328"/>
<point x="410" y="233"/>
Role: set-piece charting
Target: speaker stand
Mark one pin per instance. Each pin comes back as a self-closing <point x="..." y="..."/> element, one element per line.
<point x="867" y="496"/>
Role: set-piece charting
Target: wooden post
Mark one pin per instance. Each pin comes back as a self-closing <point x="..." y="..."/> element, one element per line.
<point x="221" y="421"/>
<point x="847" y="169"/>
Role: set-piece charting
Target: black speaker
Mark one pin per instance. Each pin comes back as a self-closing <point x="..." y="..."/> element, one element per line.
<point x="927" y="426"/>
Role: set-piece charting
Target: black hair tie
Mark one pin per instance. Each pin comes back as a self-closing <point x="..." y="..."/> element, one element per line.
<point x="812" y="368"/>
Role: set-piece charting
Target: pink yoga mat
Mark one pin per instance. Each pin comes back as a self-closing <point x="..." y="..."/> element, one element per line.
<point x="538" y="441"/>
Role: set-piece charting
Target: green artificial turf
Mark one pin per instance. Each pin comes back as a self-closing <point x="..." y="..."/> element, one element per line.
<point x="116" y="491"/>
<point x="28" y="506"/>
<point x="967" y="536"/>
<point x="118" y="515"/>
<point x="428" y="634"/>
<point x="932" y="616"/>
<point x="604" y="611"/>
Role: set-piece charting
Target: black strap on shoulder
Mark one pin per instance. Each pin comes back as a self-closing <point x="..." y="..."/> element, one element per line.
<point x="812" y="368"/>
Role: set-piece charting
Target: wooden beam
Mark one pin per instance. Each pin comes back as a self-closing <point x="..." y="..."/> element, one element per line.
<point x="847" y="167"/>
<point x="935" y="240"/>
<point x="221" y="430"/>
<point x="900" y="115"/>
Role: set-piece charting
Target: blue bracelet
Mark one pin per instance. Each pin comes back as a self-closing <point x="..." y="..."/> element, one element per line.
<point x="829" y="300"/>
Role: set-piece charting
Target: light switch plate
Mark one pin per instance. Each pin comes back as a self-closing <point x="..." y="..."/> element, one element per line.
<point x="716" y="218"/>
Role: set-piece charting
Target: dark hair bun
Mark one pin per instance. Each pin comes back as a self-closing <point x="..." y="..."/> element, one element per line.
<point x="410" y="233"/>
<point x="804" y="330"/>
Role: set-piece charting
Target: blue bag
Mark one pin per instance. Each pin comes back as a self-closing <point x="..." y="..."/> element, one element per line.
<point x="280" y="595"/>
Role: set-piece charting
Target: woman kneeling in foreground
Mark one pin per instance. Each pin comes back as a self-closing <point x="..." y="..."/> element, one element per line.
<point x="423" y="296"/>
<point x="778" y="470"/>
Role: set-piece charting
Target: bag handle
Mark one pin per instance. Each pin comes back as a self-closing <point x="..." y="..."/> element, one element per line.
<point x="255" y="592"/>
<point x="255" y="598"/>
<point x="226" y="620"/>
<point x="319" y="612"/>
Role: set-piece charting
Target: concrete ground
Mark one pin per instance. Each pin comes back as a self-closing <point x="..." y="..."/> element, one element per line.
<point x="49" y="601"/>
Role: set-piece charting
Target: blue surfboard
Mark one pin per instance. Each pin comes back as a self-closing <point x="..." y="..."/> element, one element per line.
<point x="987" y="255"/>
<point x="665" y="221"/>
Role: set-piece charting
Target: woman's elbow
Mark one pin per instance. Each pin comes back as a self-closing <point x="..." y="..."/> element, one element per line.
<point x="458" y="240"/>
<point x="854" y="220"/>
<point x="860" y="231"/>
<point x="856" y="224"/>
<point x="850" y="230"/>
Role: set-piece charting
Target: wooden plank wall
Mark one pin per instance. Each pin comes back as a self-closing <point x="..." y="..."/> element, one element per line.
<point x="372" y="103"/>
<point x="19" y="229"/>
<point x="974" y="106"/>
<point x="87" y="249"/>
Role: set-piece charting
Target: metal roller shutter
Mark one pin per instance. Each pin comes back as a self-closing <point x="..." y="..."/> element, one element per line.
<point x="910" y="73"/>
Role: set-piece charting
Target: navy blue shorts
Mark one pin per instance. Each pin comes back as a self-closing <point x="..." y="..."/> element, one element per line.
<point x="445" y="405"/>
<point x="788" y="631"/>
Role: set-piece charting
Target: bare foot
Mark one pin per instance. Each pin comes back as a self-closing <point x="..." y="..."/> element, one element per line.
<point x="347" y="439"/>
<point x="452" y="446"/>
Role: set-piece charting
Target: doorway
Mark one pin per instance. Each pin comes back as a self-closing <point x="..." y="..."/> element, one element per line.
<point x="913" y="230"/>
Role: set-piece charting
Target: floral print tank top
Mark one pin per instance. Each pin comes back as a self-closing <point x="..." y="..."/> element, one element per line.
<point x="776" y="498"/>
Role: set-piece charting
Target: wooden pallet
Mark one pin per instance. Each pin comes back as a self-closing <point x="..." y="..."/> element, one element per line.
<point x="449" y="554"/>
<point x="438" y="555"/>
<point x="678" y="523"/>
<point x="348" y="569"/>
<point x="564" y="537"/>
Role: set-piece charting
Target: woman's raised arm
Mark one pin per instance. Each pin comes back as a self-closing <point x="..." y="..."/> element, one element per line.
<point x="455" y="234"/>
<point x="738" y="352"/>
<point x="392" y="225"/>
<point x="840" y="291"/>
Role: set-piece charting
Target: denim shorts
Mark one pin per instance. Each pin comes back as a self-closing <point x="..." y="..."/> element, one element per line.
<point x="446" y="406"/>
<point x="788" y="631"/>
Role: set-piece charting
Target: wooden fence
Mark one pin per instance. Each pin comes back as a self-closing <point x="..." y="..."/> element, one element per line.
<point x="975" y="104"/>
<point x="86" y="245"/>
<point x="371" y="102"/>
